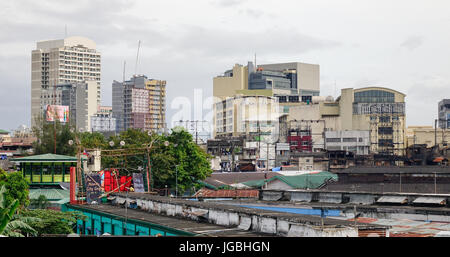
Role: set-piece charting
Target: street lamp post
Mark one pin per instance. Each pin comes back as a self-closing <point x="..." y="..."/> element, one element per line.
<point x="176" y="181"/>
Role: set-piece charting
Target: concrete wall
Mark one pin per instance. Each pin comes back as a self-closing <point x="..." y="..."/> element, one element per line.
<point x="242" y="218"/>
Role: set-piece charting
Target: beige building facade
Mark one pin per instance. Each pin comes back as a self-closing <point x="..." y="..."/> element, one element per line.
<point x="157" y="104"/>
<point x="287" y="82"/>
<point x="381" y="111"/>
<point x="242" y="115"/>
<point x="63" y="61"/>
<point x="427" y="135"/>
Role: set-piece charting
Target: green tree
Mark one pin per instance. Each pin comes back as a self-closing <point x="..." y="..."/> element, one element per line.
<point x="12" y="224"/>
<point x="16" y="188"/>
<point x="40" y="203"/>
<point x="47" y="132"/>
<point x="93" y="140"/>
<point x="182" y="154"/>
<point x="53" y="222"/>
<point x="193" y="163"/>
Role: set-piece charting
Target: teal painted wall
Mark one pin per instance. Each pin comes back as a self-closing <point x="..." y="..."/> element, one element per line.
<point x="97" y="224"/>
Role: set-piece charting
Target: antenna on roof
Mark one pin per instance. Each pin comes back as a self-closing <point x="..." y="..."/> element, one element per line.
<point x="123" y="76"/>
<point x="137" y="57"/>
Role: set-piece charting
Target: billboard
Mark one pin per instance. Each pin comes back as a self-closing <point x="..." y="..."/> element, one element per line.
<point x="57" y="112"/>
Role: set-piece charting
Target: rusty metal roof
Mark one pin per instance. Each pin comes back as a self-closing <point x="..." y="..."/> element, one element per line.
<point x="240" y="193"/>
<point x="408" y="228"/>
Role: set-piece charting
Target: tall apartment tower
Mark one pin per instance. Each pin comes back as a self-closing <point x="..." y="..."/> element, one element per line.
<point x="139" y="103"/>
<point x="62" y="61"/>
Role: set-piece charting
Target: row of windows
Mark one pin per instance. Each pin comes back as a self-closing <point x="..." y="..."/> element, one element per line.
<point x="374" y="96"/>
<point x="345" y="140"/>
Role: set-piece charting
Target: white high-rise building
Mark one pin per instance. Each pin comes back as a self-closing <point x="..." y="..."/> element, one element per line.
<point x="63" y="61"/>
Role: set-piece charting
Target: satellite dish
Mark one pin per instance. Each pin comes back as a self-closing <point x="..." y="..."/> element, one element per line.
<point x="71" y="142"/>
<point x="122" y="143"/>
<point x="149" y="133"/>
<point x="166" y="143"/>
<point x="111" y="143"/>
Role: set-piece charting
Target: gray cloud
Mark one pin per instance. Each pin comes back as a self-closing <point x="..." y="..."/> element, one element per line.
<point x="228" y="3"/>
<point x="412" y="42"/>
<point x="223" y="42"/>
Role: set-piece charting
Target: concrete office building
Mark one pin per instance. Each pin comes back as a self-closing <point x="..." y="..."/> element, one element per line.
<point x="139" y="103"/>
<point x="242" y="115"/>
<point x="103" y="121"/>
<point x="381" y="111"/>
<point x="356" y="141"/>
<point x="306" y="77"/>
<point x="444" y="114"/>
<point x="54" y="62"/>
<point x="82" y="99"/>
<point x="290" y="83"/>
<point x="427" y="135"/>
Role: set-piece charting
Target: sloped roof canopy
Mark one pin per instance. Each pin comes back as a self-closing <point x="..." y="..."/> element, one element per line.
<point x="49" y="157"/>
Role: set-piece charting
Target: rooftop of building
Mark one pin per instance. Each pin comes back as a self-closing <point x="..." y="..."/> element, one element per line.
<point x="229" y="206"/>
<point x="201" y="229"/>
<point x="395" y="169"/>
<point x="219" y="179"/>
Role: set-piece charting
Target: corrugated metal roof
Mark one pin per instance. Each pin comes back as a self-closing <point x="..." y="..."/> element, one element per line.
<point x="395" y="169"/>
<point x="433" y="200"/>
<point x="227" y="193"/>
<point x="408" y="228"/>
<point x="52" y="194"/>
<point x="393" y="199"/>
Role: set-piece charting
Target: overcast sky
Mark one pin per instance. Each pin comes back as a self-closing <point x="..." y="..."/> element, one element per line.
<point x="401" y="44"/>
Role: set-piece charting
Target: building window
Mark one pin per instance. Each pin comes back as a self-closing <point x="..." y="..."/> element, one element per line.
<point x="294" y="98"/>
<point x="374" y="96"/>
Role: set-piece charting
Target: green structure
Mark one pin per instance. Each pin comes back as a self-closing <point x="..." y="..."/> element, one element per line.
<point x="312" y="180"/>
<point x="46" y="169"/>
<point x="56" y="197"/>
<point x="98" y="223"/>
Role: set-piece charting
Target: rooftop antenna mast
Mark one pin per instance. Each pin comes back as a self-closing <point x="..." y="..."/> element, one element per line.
<point x="123" y="76"/>
<point x="137" y="57"/>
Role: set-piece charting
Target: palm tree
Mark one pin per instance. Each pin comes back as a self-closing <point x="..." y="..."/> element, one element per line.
<point x="12" y="224"/>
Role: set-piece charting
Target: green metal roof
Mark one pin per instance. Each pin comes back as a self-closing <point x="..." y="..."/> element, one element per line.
<point x="312" y="180"/>
<point x="207" y="185"/>
<point x="49" y="157"/>
<point x="3" y="131"/>
<point x="52" y="194"/>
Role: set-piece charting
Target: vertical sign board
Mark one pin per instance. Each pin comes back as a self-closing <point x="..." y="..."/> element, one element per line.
<point x="138" y="182"/>
<point x="93" y="188"/>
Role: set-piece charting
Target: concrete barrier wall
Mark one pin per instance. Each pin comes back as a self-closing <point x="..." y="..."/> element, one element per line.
<point x="360" y="198"/>
<point x="301" y="196"/>
<point x="263" y="223"/>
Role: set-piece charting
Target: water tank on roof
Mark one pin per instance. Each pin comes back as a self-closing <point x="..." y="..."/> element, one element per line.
<point x="329" y="98"/>
<point x="318" y="99"/>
